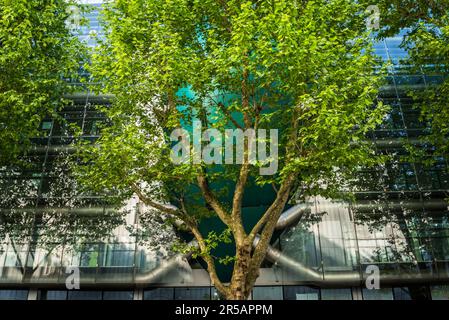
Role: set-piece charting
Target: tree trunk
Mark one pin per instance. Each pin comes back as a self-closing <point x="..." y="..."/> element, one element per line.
<point x="238" y="289"/>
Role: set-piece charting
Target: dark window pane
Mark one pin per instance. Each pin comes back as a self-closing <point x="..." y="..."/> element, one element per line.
<point x="13" y="294"/>
<point x="412" y="293"/>
<point x="192" y="293"/>
<point x="440" y="292"/>
<point x="378" y="294"/>
<point x="53" y="295"/>
<point x="301" y="293"/>
<point x="118" y="295"/>
<point x="401" y="294"/>
<point x="267" y="293"/>
<point x="419" y="292"/>
<point x="336" y="294"/>
<point x="159" y="294"/>
<point x="84" y="295"/>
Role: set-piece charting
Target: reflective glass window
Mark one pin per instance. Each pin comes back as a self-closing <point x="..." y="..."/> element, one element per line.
<point x="52" y="295"/>
<point x="267" y="293"/>
<point x="192" y="293"/>
<point x="118" y="295"/>
<point x="301" y="293"/>
<point x="336" y="294"/>
<point x="378" y="294"/>
<point x="159" y="294"/>
<point x="84" y="295"/>
<point x="440" y="292"/>
<point x="13" y="294"/>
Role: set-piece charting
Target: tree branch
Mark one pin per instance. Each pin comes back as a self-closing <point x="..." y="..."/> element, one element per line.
<point x="229" y="115"/>
<point x="212" y="200"/>
<point x="209" y="261"/>
<point x="225" y="19"/>
<point x="156" y="205"/>
<point x="244" y="169"/>
<point x="269" y="220"/>
<point x="238" y="197"/>
<point x="279" y="202"/>
<point x="268" y="223"/>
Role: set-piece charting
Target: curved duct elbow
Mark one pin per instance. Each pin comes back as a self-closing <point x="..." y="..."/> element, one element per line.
<point x="292" y="215"/>
<point x="350" y="277"/>
<point x="156" y="275"/>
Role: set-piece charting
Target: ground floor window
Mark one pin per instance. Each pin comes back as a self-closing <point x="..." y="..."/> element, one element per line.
<point x="159" y="294"/>
<point x="193" y="293"/>
<point x="336" y="294"/>
<point x="85" y="295"/>
<point x="13" y="294"/>
<point x="377" y="294"/>
<point x="301" y="293"/>
<point x="267" y="293"/>
<point x="440" y="292"/>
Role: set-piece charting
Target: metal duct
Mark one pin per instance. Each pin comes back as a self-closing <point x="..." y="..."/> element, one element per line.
<point x="50" y="210"/>
<point x="349" y="278"/>
<point x="309" y="275"/>
<point x="81" y="98"/>
<point x="54" y="149"/>
<point x="158" y="273"/>
<point x="395" y="142"/>
<point x="367" y="206"/>
<point x="292" y="215"/>
<point x="287" y="218"/>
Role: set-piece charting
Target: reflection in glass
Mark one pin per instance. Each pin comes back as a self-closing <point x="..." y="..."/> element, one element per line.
<point x="336" y="294"/>
<point x="13" y="294"/>
<point x="118" y="295"/>
<point x="378" y="294"/>
<point x="440" y="292"/>
<point x="192" y="293"/>
<point x="301" y="293"/>
<point x="159" y="294"/>
<point x="267" y="293"/>
<point x="84" y="295"/>
<point x="52" y="295"/>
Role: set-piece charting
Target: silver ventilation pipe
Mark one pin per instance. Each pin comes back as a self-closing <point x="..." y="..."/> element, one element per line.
<point x="79" y="211"/>
<point x="287" y="218"/>
<point x="55" y="149"/>
<point x="351" y="277"/>
<point x="177" y="262"/>
<point x="307" y="274"/>
<point x="366" y="206"/>
<point x="280" y="258"/>
<point x="57" y="275"/>
<point x="292" y="215"/>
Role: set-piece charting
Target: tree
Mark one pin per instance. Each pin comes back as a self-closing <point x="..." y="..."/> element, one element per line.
<point x="60" y="224"/>
<point x="72" y="224"/>
<point x="38" y="54"/>
<point x="426" y="38"/>
<point x="296" y="66"/>
<point x="395" y="15"/>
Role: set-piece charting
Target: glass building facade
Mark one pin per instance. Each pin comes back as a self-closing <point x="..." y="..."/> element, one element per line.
<point x="399" y="221"/>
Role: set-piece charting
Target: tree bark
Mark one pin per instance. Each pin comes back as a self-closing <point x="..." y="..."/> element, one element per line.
<point x="237" y="288"/>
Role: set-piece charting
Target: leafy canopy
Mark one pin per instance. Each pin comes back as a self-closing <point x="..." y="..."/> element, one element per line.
<point x="303" y="67"/>
<point x="281" y="65"/>
<point x="38" y="53"/>
<point x="425" y="28"/>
